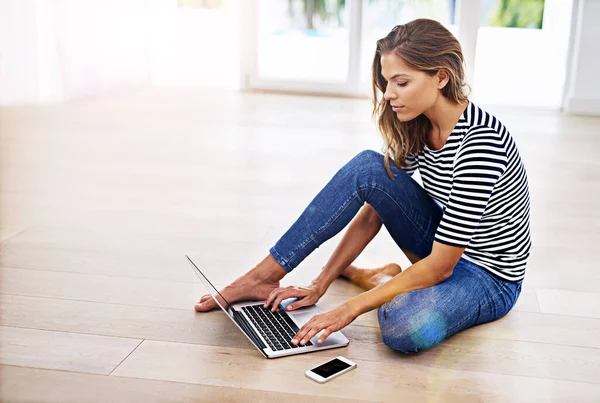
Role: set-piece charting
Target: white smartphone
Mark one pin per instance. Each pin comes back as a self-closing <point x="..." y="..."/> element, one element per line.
<point x="330" y="369"/>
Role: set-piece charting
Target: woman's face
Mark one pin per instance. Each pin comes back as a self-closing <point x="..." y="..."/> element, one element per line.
<point x="410" y="92"/>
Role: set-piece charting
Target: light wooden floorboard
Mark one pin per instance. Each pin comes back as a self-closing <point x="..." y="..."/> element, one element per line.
<point x="73" y="387"/>
<point x="241" y="368"/>
<point x="7" y="232"/>
<point x="184" y="325"/>
<point x="63" y="350"/>
<point x="141" y="292"/>
<point x="545" y="345"/>
<point x="566" y="302"/>
<point x="159" y="255"/>
<point x="101" y="198"/>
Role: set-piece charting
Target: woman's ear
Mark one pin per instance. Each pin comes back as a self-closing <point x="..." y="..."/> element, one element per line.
<point x="442" y="77"/>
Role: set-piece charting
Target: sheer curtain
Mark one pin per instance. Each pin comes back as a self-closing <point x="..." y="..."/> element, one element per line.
<point x="55" y="50"/>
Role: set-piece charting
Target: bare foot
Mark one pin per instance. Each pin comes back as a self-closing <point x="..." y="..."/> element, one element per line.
<point x="242" y="291"/>
<point x="371" y="278"/>
<point x="256" y="285"/>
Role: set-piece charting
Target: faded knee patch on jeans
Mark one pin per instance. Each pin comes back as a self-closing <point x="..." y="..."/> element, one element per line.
<point x="408" y="331"/>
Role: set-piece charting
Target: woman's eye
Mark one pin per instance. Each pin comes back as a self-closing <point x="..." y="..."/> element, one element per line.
<point x="401" y="84"/>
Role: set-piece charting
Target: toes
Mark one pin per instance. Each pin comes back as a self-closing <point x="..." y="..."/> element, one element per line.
<point x="205" y="297"/>
<point x="204" y="306"/>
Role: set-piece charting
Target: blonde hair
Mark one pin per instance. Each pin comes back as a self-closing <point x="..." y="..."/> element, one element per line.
<point x="427" y="46"/>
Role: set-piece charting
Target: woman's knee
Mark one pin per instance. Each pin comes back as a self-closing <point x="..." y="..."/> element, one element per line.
<point x="410" y="333"/>
<point x="403" y="345"/>
<point x="368" y="155"/>
<point x="369" y="167"/>
<point x="366" y="160"/>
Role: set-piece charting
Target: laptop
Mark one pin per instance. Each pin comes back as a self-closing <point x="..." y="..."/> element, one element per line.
<point x="271" y="332"/>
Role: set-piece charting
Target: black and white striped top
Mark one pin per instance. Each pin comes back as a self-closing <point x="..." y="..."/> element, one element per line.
<point x="480" y="181"/>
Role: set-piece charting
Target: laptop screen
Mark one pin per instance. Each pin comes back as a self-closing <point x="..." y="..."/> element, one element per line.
<point x="226" y="306"/>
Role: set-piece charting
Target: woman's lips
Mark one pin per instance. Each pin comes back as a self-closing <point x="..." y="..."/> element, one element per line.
<point x="397" y="108"/>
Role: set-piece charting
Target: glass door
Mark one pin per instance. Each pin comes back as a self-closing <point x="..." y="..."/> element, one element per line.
<point x="324" y="46"/>
<point x="522" y="51"/>
<point x="512" y="48"/>
<point x="380" y="16"/>
<point x="302" y="45"/>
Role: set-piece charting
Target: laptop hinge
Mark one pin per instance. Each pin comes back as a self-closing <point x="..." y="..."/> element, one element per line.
<point x="241" y="320"/>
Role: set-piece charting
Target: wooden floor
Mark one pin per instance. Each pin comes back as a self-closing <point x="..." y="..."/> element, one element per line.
<point x="101" y="198"/>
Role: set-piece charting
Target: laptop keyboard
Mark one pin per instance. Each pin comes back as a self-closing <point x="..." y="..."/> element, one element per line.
<point x="277" y="328"/>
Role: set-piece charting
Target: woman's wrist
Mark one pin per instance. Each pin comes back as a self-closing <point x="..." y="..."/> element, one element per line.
<point x="354" y="307"/>
<point x="320" y="285"/>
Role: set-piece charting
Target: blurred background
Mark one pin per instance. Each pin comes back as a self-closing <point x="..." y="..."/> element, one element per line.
<point x="533" y="53"/>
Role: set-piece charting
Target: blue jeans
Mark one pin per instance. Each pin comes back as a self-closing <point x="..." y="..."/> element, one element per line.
<point x="415" y="320"/>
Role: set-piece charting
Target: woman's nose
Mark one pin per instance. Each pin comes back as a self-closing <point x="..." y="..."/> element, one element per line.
<point x="387" y="95"/>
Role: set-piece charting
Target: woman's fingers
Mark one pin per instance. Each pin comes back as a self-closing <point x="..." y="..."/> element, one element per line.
<point x="281" y="294"/>
<point x="306" y="329"/>
<point x="303" y="330"/>
<point x="324" y="335"/>
<point x="329" y="322"/>
<point x="274" y="297"/>
<point x="271" y="298"/>
<point x="306" y="301"/>
<point x="311" y="333"/>
<point x="313" y="327"/>
<point x="290" y="292"/>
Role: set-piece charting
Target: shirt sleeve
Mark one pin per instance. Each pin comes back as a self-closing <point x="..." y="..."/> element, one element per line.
<point x="480" y="161"/>
<point x="413" y="164"/>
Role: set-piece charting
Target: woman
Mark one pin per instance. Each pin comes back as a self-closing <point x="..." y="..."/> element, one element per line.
<point x="466" y="232"/>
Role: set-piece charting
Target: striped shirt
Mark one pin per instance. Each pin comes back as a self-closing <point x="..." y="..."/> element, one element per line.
<point x="479" y="180"/>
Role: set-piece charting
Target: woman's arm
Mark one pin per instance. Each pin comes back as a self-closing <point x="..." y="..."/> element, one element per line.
<point x="361" y="231"/>
<point x="427" y="272"/>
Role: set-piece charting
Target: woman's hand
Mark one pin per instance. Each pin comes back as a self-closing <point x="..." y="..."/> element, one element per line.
<point x="307" y="296"/>
<point x="330" y="321"/>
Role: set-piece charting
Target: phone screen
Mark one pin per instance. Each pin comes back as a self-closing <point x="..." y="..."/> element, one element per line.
<point x="330" y="368"/>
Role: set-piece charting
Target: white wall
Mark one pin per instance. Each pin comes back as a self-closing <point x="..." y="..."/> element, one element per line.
<point x="583" y="91"/>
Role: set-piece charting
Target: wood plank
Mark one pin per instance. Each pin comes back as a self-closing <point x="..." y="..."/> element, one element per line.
<point x="136" y="291"/>
<point x="160" y="256"/>
<point x="239" y="368"/>
<point x="542" y="328"/>
<point x="166" y="233"/>
<point x="214" y="329"/>
<point x="72" y="387"/>
<point x="485" y="355"/>
<point x="132" y="220"/>
<point x="88" y="287"/>
<point x="137" y="322"/>
<point x="170" y="266"/>
<point x="64" y="351"/>
<point x="131" y="291"/>
<point x="10" y="231"/>
<point x="572" y="303"/>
